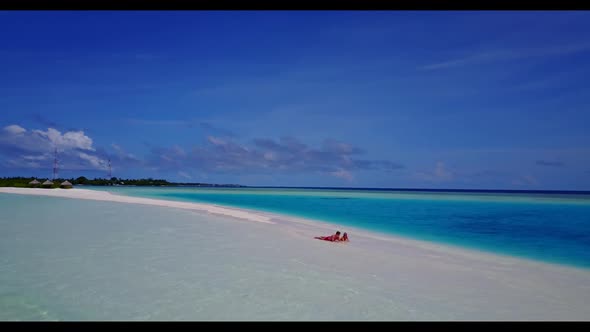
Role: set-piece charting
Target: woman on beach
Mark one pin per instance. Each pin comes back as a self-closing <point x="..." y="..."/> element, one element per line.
<point x="344" y="237"/>
<point x="331" y="238"/>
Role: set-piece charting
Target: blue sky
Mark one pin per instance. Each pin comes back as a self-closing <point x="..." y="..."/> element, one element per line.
<point x="406" y="99"/>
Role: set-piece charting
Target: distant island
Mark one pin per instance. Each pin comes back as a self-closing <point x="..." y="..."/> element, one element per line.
<point x="24" y="182"/>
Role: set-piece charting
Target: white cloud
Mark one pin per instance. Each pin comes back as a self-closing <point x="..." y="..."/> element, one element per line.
<point x="69" y="140"/>
<point x="34" y="148"/>
<point x="344" y="174"/>
<point x="77" y="139"/>
<point x="267" y="155"/>
<point x="42" y="141"/>
<point x="94" y="161"/>
<point x="123" y="155"/>
<point x="509" y="54"/>
<point x="216" y="141"/>
<point x="477" y="58"/>
<point x="41" y="157"/>
<point x="14" y="129"/>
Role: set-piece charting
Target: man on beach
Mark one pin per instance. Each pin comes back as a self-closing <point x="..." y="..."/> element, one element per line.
<point x="331" y="238"/>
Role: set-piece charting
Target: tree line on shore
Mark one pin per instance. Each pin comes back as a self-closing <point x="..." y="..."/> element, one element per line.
<point x="23" y="182"/>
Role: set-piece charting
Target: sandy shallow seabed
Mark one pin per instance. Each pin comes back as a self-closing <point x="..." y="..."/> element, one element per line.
<point x="381" y="277"/>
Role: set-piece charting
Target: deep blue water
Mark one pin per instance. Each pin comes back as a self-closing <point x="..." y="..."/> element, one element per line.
<point x="552" y="227"/>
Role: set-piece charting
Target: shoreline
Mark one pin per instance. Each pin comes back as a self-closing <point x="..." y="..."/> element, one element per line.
<point x="307" y="228"/>
<point x="109" y="197"/>
<point x="399" y="278"/>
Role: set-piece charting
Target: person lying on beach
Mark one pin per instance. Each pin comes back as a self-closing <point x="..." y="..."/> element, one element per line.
<point x="344" y="238"/>
<point x="332" y="238"/>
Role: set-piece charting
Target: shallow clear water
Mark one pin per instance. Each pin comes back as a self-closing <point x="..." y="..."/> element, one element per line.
<point x="71" y="259"/>
<point x="66" y="259"/>
<point x="548" y="227"/>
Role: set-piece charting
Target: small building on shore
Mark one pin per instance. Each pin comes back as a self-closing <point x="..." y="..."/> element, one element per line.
<point x="47" y="184"/>
<point x="66" y="185"/>
<point x="34" y="183"/>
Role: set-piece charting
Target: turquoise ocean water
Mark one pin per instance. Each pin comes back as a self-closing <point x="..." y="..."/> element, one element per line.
<point x="544" y="226"/>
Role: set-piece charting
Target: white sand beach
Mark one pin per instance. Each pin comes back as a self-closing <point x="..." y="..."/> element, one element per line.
<point x="373" y="277"/>
<point x="106" y="196"/>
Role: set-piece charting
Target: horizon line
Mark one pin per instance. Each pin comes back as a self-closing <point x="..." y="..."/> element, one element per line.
<point x="432" y="189"/>
<point x="349" y="188"/>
